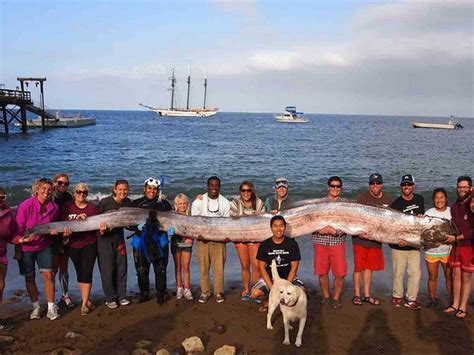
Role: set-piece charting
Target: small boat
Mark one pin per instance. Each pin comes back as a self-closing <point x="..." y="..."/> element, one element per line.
<point x="291" y="116"/>
<point x="184" y="112"/>
<point x="63" y="121"/>
<point x="452" y="124"/>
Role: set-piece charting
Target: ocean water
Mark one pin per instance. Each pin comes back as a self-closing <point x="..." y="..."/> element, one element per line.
<point x="236" y="146"/>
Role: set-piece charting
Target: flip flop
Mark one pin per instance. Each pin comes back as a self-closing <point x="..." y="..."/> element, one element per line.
<point x="357" y="301"/>
<point x="450" y="309"/>
<point x="373" y="301"/>
<point x="461" y="314"/>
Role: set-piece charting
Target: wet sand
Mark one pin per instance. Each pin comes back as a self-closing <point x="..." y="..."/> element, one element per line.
<point x="353" y="329"/>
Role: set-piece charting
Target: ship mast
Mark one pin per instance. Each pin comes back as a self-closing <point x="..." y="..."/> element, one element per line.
<point x="173" y="84"/>
<point x="189" y="84"/>
<point x="205" y="91"/>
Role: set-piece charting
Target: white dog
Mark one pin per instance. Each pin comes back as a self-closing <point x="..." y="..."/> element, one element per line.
<point x="292" y="301"/>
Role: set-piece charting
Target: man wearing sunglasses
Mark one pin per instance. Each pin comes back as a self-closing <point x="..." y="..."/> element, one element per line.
<point x="330" y="252"/>
<point x="405" y="257"/>
<point x="211" y="254"/>
<point x="281" y="200"/>
<point x="368" y="254"/>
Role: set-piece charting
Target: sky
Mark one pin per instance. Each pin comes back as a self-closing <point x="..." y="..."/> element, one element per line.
<point x="335" y="57"/>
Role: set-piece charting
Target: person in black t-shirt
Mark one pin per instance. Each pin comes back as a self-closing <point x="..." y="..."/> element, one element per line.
<point x="405" y="257"/>
<point x="286" y="253"/>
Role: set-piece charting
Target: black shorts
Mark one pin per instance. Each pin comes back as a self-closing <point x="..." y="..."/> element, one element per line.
<point x="84" y="261"/>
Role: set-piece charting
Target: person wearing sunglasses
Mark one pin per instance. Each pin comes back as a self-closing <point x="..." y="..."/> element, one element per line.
<point x="368" y="254"/>
<point x="461" y="258"/>
<point x="151" y="200"/>
<point x="112" y="251"/>
<point x="330" y="251"/>
<point x="37" y="249"/>
<point x="407" y="258"/>
<point x="281" y="200"/>
<point x="82" y="246"/>
<point x="247" y="204"/>
<point x="61" y="196"/>
<point x="211" y="255"/>
<point x="7" y="232"/>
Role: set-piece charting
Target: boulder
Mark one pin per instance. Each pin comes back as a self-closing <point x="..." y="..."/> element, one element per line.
<point x="73" y="335"/>
<point x="162" y="352"/>
<point x="193" y="345"/>
<point x="141" y="352"/>
<point x="6" y="339"/>
<point x="144" y="344"/>
<point x="226" y="350"/>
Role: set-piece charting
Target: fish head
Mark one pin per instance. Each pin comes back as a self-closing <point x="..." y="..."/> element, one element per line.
<point x="437" y="233"/>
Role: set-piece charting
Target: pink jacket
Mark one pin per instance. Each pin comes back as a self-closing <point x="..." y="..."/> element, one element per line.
<point x="7" y="229"/>
<point x="28" y="215"/>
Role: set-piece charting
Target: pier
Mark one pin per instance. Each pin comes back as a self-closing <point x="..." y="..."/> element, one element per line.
<point x="15" y="103"/>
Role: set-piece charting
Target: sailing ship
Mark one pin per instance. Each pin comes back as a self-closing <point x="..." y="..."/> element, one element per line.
<point x="452" y="124"/>
<point x="174" y="111"/>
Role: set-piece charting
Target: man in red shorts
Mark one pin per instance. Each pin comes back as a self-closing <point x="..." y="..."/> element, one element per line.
<point x="368" y="254"/>
<point x="461" y="257"/>
<point x="330" y="252"/>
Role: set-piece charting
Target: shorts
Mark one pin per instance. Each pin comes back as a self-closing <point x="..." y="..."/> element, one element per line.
<point x="177" y="249"/>
<point x="239" y="244"/>
<point x="330" y="257"/>
<point x="84" y="261"/>
<point x="262" y="285"/>
<point x="367" y="258"/>
<point x="43" y="258"/>
<point x="462" y="256"/>
<point x="435" y="259"/>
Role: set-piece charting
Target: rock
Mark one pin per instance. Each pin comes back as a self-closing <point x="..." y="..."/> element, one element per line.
<point x="6" y="339"/>
<point x="64" y="351"/>
<point x="144" y="344"/>
<point x="226" y="350"/>
<point x="141" y="352"/>
<point x="193" y="345"/>
<point x="162" y="352"/>
<point x="73" y="335"/>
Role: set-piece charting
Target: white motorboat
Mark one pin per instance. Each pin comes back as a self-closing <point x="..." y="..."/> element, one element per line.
<point x="174" y="111"/>
<point x="291" y="116"/>
<point x="452" y="124"/>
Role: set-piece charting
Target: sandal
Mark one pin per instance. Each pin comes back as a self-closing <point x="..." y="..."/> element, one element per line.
<point x="325" y="301"/>
<point x="461" y="314"/>
<point x="373" y="301"/>
<point x="357" y="301"/>
<point x="245" y="296"/>
<point x="450" y="309"/>
<point x="85" y="310"/>
<point x="336" y="304"/>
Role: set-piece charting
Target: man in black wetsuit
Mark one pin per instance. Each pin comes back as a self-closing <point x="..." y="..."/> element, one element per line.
<point x="152" y="201"/>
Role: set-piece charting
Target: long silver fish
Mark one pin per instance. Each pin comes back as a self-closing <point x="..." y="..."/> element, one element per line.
<point x="383" y="225"/>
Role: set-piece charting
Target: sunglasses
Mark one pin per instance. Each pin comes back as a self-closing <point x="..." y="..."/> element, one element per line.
<point x="3" y="197"/>
<point x="406" y="184"/>
<point x="375" y="183"/>
<point x="62" y="183"/>
<point x="245" y="190"/>
<point x="335" y="186"/>
<point x="79" y="192"/>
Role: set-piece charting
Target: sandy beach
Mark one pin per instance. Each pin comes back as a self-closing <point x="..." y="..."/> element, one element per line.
<point x="353" y="329"/>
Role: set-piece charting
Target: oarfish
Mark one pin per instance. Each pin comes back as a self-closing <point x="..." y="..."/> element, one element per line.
<point x="380" y="224"/>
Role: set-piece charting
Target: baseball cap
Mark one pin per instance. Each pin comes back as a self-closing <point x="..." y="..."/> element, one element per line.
<point x="375" y="178"/>
<point x="407" y="179"/>
<point x="281" y="181"/>
<point x="152" y="182"/>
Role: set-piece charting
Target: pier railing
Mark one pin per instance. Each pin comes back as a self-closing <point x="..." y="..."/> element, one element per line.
<point x="15" y="94"/>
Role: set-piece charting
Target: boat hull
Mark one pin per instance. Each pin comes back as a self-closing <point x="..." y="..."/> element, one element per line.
<point x="291" y="120"/>
<point x="61" y="122"/>
<point x="185" y="113"/>
<point x="435" y="125"/>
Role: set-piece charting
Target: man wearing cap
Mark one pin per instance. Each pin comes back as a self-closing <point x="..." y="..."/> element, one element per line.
<point x="211" y="254"/>
<point x="151" y="201"/>
<point x="281" y="200"/>
<point x="368" y="254"/>
<point x="405" y="257"/>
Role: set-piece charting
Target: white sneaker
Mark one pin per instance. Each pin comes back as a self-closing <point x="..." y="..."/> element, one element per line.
<point x="179" y="293"/>
<point x="124" y="302"/>
<point x="188" y="294"/>
<point x="111" y="305"/>
<point x="35" y="313"/>
<point x="53" y="313"/>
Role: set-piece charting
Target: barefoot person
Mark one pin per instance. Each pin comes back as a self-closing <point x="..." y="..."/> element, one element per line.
<point x="38" y="209"/>
<point x="112" y="252"/>
<point x="82" y="245"/>
<point x="439" y="255"/>
<point x="156" y="256"/>
<point x="461" y="257"/>
<point x="286" y="253"/>
<point x="247" y="204"/>
<point x="181" y="248"/>
<point x="7" y="232"/>
<point x="368" y="254"/>
<point x="61" y="196"/>
<point x="211" y="255"/>
<point x="330" y="252"/>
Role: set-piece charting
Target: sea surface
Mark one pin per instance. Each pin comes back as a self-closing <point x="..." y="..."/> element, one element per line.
<point x="235" y="146"/>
